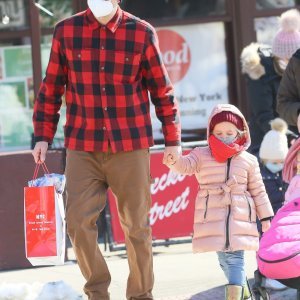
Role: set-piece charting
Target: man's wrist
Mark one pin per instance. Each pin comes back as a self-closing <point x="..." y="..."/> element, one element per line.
<point x="172" y="143"/>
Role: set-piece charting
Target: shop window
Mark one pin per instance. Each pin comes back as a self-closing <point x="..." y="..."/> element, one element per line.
<point x="175" y="9"/>
<point x="60" y="9"/>
<point x="269" y="4"/>
<point x="195" y="58"/>
<point x="14" y="14"/>
<point x="266" y="29"/>
<point x="17" y="96"/>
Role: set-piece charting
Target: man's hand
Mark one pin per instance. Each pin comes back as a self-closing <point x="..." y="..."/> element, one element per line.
<point x="171" y="154"/>
<point x="39" y="152"/>
<point x="265" y="225"/>
<point x="298" y="123"/>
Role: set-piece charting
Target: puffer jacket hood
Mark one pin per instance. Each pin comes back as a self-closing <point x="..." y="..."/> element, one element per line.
<point x="233" y="109"/>
<point x="251" y="61"/>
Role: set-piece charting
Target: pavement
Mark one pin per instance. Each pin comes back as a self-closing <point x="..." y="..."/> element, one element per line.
<point x="179" y="274"/>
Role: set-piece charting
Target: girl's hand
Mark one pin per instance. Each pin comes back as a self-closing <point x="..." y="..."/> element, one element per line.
<point x="170" y="160"/>
<point x="265" y="225"/>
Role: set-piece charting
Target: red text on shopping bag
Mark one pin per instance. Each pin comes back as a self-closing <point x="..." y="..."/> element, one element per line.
<point x="40" y="227"/>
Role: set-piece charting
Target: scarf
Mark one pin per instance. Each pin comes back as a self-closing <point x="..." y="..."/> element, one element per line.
<point x="221" y="152"/>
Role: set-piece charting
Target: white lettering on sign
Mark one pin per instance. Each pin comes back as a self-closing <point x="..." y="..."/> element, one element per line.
<point x="159" y="212"/>
<point x="171" y="57"/>
<point x="166" y="180"/>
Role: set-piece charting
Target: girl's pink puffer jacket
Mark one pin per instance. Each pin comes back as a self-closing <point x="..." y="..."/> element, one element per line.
<point x="231" y="195"/>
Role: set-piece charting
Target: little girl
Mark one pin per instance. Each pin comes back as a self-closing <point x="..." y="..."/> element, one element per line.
<point x="231" y="195"/>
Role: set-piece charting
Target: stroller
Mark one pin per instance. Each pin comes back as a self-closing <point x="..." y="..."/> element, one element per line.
<point x="278" y="256"/>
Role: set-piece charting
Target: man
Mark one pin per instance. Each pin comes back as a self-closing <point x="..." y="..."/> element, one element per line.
<point x="288" y="97"/>
<point x="108" y="61"/>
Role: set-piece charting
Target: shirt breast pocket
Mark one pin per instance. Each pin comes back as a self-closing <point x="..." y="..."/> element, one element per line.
<point x="126" y="67"/>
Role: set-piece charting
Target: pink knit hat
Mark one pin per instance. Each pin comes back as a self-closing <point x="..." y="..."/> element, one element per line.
<point x="287" y="39"/>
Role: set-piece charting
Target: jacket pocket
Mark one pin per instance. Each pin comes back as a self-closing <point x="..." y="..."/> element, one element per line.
<point x="125" y="67"/>
<point x="243" y="209"/>
<point x="251" y="210"/>
<point x="205" y="208"/>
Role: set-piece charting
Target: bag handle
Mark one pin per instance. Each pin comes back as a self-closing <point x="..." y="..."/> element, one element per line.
<point x="36" y="170"/>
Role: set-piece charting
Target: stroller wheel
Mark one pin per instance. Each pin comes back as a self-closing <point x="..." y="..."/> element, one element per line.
<point x="261" y="295"/>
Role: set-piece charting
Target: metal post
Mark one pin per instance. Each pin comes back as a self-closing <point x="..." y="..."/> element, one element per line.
<point x="35" y="33"/>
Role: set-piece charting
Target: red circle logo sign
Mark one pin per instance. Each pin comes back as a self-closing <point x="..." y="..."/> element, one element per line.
<point x="176" y="54"/>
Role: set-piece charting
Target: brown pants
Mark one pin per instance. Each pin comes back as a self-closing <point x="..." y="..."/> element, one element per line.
<point x="127" y="174"/>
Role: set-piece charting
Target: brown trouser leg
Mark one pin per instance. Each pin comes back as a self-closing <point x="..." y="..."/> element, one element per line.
<point x="128" y="175"/>
<point x="85" y="199"/>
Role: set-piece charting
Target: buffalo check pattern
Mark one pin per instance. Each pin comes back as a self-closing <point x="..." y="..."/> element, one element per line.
<point x="107" y="73"/>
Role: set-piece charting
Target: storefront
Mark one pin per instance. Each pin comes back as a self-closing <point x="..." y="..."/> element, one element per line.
<point x="201" y="41"/>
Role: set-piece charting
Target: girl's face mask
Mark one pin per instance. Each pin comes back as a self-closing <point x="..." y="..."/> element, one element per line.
<point x="227" y="140"/>
<point x="100" y="8"/>
<point x="274" y="167"/>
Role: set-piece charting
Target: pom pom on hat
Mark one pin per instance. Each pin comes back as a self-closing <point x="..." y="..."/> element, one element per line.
<point x="287" y="39"/>
<point x="290" y="20"/>
<point x="275" y="145"/>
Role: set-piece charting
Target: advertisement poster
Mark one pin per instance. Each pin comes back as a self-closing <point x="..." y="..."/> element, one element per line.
<point x="17" y="97"/>
<point x="195" y="58"/>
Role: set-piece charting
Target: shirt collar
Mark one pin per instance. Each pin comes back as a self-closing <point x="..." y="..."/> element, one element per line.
<point x="112" y="25"/>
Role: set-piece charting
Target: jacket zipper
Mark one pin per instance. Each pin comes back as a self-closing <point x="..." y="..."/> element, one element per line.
<point x="229" y="208"/>
<point x="206" y="205"/>
<point x="249" y="206"/>
<point x="279" y="260"/>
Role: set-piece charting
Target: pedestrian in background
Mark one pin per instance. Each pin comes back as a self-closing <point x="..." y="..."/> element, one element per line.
<point x="231" y="195"/>
<point x="108" y="61"/>
<point x="272" y="153"/>
<point x="264" y="67"/>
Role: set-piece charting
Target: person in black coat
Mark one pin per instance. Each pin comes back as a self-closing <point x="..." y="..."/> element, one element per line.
<point x="264" y="67"/>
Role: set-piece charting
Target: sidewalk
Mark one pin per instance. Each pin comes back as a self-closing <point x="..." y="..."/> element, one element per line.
<point x="179" y="274"/>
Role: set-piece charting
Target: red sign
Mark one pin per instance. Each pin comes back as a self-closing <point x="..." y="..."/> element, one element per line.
<point x="173" y="202"/>
<point x="176" y="54"/>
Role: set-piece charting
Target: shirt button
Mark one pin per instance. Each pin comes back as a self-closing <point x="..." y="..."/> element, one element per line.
<point x="104" y="128"/>
<point x="102" y="47"/>
<point x="105" y="108"/>
<point x="126" y="58"/>
<point x="280" y="189"/>
<point x="102" y="68"/>
<point x="103" y="89"/>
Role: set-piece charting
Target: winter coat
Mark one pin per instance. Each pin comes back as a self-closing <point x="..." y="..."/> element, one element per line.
<point x="231" y="195"/>
<point x="262" y="86"/>
<point x="288" y="97"/>
<point x="275" y="187"/>
<point x="278" y="256"/>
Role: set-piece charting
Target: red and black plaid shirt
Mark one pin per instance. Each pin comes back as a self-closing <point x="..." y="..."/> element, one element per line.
<point x="106" y="73"/>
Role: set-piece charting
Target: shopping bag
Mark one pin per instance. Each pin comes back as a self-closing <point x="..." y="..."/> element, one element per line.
<point x="44" y="219"/>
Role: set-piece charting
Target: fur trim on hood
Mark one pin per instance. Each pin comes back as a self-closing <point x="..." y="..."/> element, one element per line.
<point x="229" y="107"/>
<point x="250" y="61"/>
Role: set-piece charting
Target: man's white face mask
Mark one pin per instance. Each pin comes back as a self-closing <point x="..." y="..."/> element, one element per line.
<point x="100" y="8"/>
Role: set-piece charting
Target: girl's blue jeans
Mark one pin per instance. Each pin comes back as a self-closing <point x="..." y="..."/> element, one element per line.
<point x="232" y="263"/>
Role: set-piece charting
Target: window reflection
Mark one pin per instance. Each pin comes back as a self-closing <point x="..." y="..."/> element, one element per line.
<point x="146" y="9"/>
<point x="267" y="4"/>
<point x="60" y="9"/>
<point x="13" y="14"/>
<point x="266" y="28"/>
